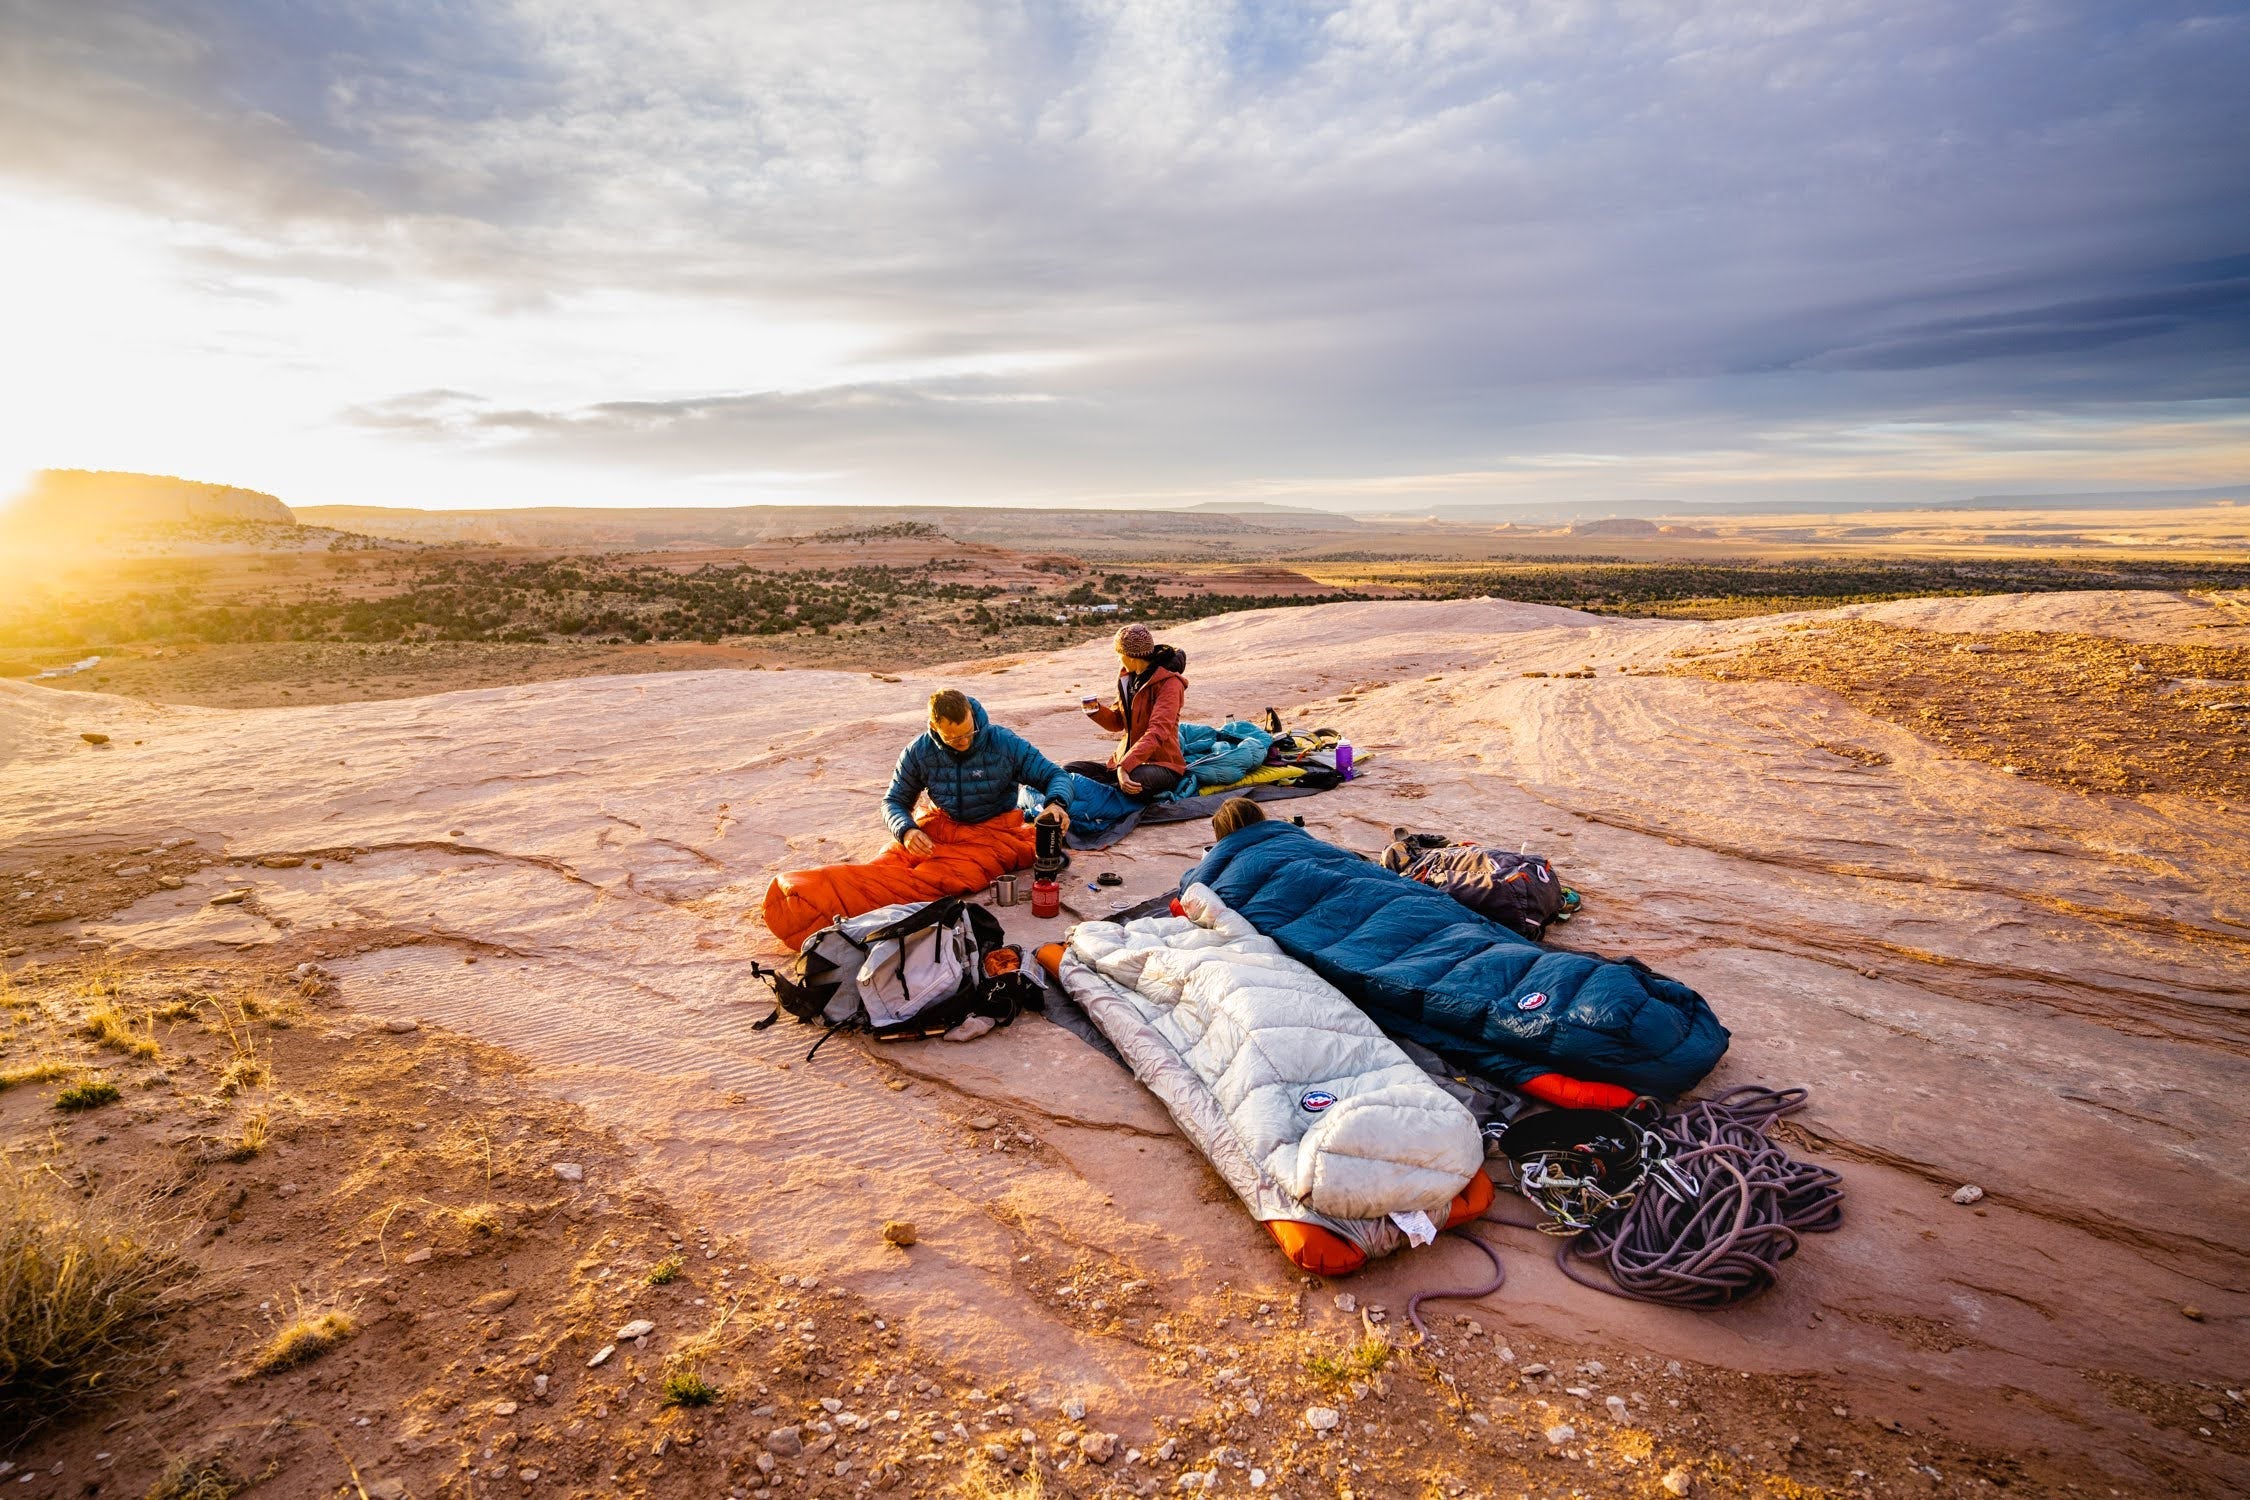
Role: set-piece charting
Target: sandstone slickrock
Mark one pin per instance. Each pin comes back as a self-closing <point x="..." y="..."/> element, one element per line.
<point x="2057" y="1012"/>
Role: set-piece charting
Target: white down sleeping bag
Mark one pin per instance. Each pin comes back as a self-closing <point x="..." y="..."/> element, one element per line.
<point x="1307" y="1110"/>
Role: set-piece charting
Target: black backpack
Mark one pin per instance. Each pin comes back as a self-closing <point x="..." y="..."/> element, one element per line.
<point x="903" y="972"/>
<point x="1519" y="891"/>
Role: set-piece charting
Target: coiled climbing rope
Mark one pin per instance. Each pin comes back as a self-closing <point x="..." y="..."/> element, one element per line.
<point x="1727" y="1243"/>
<point x="1724" y="1244"/>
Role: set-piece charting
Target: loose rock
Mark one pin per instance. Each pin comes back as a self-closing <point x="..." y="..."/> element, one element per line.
<point x="416" y="1257"/>
<point x="402" y="1024"/>
<point x="570" y="1171"/>
<point x="785" y="1442"/>
<point x="898" y="1232"/>
<point x="1561" y="1433"/>
<point x="1322" y="1418"/>
<point x="601" y="1356"/>
<point x="230" y="898"/>
<point x="984" y="1122"/>
<point x="639" y="1328"/>
<point x="1074" y="1409"/>
<point x="1099" y="1447"/>
<point x="93" y="738"/>
<point x="1677" y="1481"/>
<point x="1968" y="1193"/>
<point x="492" y="1302"/>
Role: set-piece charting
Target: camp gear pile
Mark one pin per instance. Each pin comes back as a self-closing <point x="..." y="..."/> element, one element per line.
<point x="1487" y="1000"/>
<point x="904" y="972"/>
<point x="1329" y="1134"/>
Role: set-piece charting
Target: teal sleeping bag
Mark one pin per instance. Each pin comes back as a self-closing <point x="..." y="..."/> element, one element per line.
<point x="1426" y="968"/>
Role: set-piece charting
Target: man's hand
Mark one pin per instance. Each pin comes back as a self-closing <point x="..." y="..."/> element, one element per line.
<point x="918" y="843"/>
<point x="1057" y="813"/>
<point x="1126" y="783"/>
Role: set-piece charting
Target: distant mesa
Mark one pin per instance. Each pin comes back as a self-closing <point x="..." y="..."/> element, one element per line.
<point x="82" y="502"/>
<point x="1615" y="526"/>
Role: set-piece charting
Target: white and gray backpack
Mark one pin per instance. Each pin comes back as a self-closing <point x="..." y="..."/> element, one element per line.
<point x="900" y="972"/>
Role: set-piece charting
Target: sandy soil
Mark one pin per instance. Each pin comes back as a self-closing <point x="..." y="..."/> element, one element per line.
<point x="1984" y="977"/>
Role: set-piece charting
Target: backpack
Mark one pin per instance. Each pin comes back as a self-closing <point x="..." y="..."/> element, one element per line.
<point x="902" y="972"/>
<point x="1519" y="891"/>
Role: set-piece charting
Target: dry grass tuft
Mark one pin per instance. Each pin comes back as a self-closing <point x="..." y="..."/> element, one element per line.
<point x="249" y="1139"/>
<point x="76" y="1276"/>
<point x="307" y="1336"/>
<point x="986" y="1480"/>
<point x="45" y="1070"/>
<point x="197" y="1479"/>
<point x="247" y="1071"/>
<point x="481" y="1218"/>
<point x="110" y="1027"/>
<point x="1358" y="1362"/>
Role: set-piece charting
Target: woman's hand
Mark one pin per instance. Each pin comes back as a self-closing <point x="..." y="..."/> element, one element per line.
<point x="1126" y="783"/>
<point x="918" y="843"/>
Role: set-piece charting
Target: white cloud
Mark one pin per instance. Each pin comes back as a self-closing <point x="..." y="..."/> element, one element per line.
<point x="1017" y="250"/>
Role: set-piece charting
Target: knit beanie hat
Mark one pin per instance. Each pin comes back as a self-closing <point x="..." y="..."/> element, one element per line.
<point x="1135" y="640"/>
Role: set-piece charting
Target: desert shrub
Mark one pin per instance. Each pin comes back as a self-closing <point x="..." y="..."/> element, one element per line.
<point x="92" y="1094"/>
<point x="666" y="1271"/>
<point x="76" y="1277"/>
<point x="686" y="1386"/>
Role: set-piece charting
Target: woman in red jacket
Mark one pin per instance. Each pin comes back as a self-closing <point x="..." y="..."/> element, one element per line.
<point x="1145" y="716"/>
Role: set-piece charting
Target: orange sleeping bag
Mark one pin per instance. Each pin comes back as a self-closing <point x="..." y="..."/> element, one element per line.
<point x="968" y="857"/>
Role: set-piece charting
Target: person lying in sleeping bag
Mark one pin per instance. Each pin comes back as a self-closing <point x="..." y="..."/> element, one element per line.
<point x="970" y="769"/>
<point x="1568" y="1028"/>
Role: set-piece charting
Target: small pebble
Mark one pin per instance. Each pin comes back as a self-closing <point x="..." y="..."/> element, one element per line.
<point x="570" y="1171"/>
<point x="601" y="1356"/>
<point x="1322" y="1418"/>
<point x="984" y="1122"/>
<point x="402" y="1024"/>
<point x="898" y="1232"/>
<point x="639" y="1328"/>
<point x="1967" y="1194"/>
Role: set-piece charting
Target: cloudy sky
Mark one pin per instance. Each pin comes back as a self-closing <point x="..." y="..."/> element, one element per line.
<point x="1374" y="254"/>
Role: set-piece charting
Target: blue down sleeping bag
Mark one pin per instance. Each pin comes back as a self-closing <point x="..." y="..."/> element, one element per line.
<point x="1425" y="967"/>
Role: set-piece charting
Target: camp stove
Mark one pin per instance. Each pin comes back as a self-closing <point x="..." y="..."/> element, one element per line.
<point x="1047" y="864"/>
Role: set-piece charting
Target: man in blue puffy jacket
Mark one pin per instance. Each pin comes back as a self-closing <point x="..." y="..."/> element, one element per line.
<point x="971" y="768"/>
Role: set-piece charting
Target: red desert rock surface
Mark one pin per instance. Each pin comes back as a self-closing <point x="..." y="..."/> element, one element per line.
<point x="532" y="905"/>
